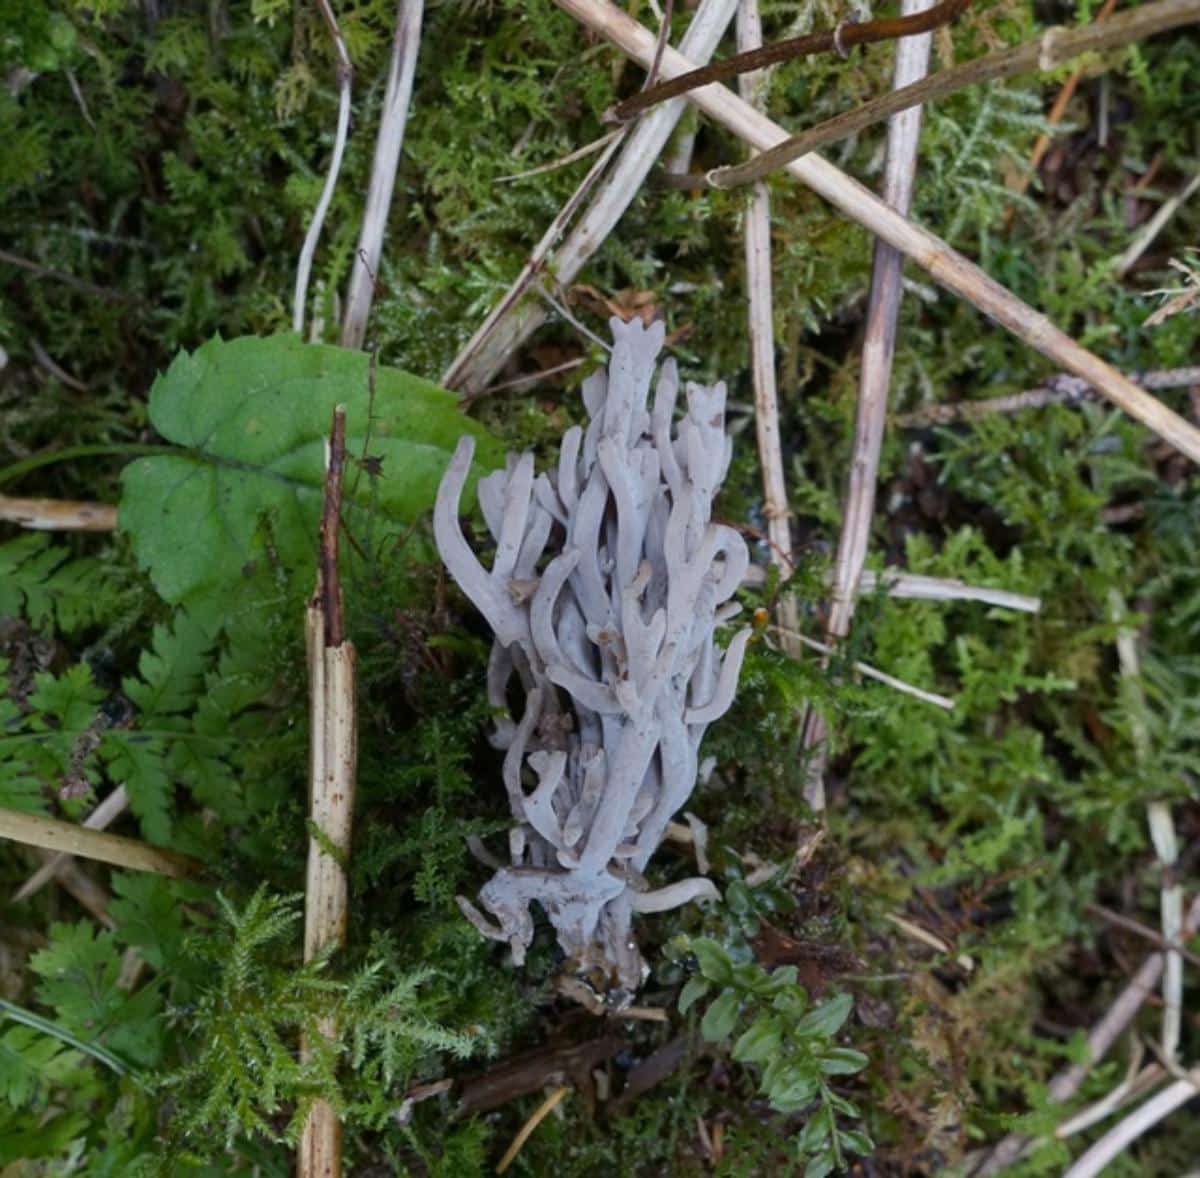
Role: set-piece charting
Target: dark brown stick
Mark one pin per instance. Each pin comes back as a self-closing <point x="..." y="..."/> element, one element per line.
<point x="329" y="584"/>
<point x="840" y="39"/>
<point x="1055" y="46"/>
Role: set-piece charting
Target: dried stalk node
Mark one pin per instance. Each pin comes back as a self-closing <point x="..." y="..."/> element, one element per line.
<point x="609" y="580"/>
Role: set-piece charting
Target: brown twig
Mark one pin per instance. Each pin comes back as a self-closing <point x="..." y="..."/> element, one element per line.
<point x="91" y="896"/>
<point x="53" y="834"/>
<point x="1061" y="389"/>
<point x="333" y="755"/>
<point x="840" y="39"/>
<point x="58" y="515"/>
<point x="664" y="32"/>
<point x="1055" y="46"/>
<point x="360" y="292"/>
<point x="946" y="266"/>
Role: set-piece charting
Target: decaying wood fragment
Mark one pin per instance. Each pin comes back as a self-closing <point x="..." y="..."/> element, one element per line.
<point x="608" y="583"/>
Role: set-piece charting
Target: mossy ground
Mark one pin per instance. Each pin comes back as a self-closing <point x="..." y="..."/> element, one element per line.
<point x="166" y="157"/>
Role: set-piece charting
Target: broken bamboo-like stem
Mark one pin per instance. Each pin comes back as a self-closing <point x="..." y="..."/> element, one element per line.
<point x="53" y="834"/>
<point x="1145" y="238"/>
<point x="58" y="515"/>
<point x="393" y="119"/>
<point x="333" y="763"/>
<point x="944" y="264"/>
<point x="917" y="587"/>
<point x="870" y="672"/>
<point x="1166" y="847"/>
<point x="1053" y="47"/>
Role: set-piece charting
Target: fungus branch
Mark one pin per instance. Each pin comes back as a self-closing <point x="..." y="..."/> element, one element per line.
<point x="608" y="583"/>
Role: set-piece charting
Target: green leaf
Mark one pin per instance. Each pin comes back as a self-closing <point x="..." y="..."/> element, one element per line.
<point x="148" y="911"/>
<point x="777" y="982"/>
<point x="171" y="672"/>
<point x="251" y="417"/>
<point x="30" y="1063"/>
<point x="759" y="1041"/>
<point x="79" y="969"/>
<point x="793" y="1092"/>
<point x="720" y="1017"/>
<point x="816" y="1130"/>
<point x="748" y="977"/>
<point x="825" y="1020"/>
<point x="854" y="1141"/>
<point x="820" y="1166"/>
<point x="713" y="960"/>
<point x="694" y="989"/>
<point x="842" y="1061"/>
<point x="40" y="581"/>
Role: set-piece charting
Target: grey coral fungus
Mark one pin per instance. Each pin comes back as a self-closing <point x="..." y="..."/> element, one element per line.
<point x="609" y="580"/>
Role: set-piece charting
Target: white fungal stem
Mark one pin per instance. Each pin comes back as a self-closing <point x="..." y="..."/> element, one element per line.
<point x="686" y="891"/>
